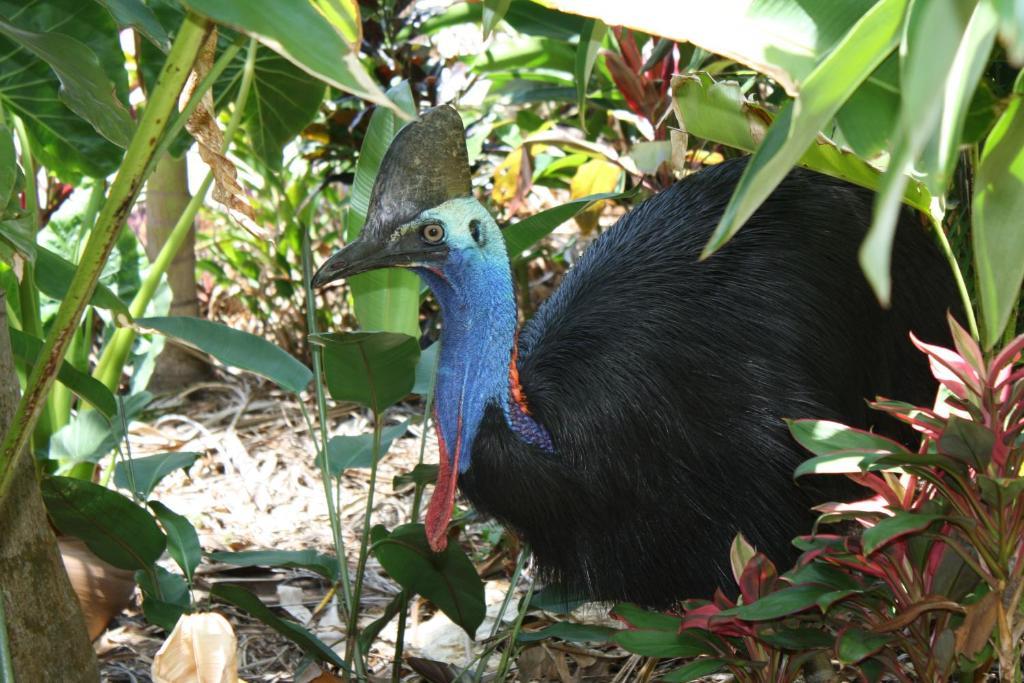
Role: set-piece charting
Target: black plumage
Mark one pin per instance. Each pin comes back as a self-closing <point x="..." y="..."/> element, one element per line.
<point x="664" y="380"/>
<point x="660" y="380"/>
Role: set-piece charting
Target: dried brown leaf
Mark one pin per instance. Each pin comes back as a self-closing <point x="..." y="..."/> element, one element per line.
<point x="977" y="626"/>
<point x="202" y="125"/>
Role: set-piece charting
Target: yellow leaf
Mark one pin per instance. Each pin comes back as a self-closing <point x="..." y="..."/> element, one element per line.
<point x="593" y="177"/>
<point x="506" y="177"/>
<point x="344" y="17"/>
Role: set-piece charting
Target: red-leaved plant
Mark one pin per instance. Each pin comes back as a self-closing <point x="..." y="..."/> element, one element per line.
<point x="928" y="583"/>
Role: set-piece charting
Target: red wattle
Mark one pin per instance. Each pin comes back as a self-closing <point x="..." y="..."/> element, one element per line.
<point x="439" y="510"/>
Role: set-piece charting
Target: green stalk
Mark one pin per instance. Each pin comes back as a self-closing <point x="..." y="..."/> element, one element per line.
<point x="28" y="294"/>
<point x="414" y="515"/>
<point x="115" y="353"/>
<point x="321" y="404"/>
<point x="524" y="555"/>
<point x="958" y="276"/>
<point x="120" y="200"/>
<point x="352" y="654"/>
<point x="506" y="655"/>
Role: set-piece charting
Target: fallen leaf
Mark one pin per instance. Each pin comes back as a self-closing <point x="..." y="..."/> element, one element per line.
<point x="201" y="649"/>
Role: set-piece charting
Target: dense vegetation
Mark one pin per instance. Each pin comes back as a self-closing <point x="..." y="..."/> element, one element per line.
<point x="575" y="110"/>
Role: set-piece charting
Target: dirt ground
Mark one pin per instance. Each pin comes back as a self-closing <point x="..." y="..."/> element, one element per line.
<point x="256" y="487"/>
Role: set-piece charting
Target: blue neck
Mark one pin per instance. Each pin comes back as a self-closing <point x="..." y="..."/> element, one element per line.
<point x="479" y="319"/>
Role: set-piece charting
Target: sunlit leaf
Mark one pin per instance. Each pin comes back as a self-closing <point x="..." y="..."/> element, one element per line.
<point x="822" y="93"/>
<point x="344" y="17"/>
<point x="386" y="299"/>
<point x="141" y="475"/>
<point x="85" y="87"/>
<point x="998" y="205"/>
<point x="236" y="349"/>
<point x="375" y="369"/>
<point x="522" y="235"/>
<point x="591" y="37"/>
<point x="299" y="32"/>
<point x="494" y="11"/>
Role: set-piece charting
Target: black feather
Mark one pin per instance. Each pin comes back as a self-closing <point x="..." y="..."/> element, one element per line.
<point x="663" y="382"/>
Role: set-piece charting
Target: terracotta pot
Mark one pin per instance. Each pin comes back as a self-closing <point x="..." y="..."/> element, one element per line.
<point x="103" y="590"/>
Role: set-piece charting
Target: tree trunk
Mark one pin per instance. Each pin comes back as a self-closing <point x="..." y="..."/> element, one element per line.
<point x="166" y="197"/>
<point x="44" y="622"/>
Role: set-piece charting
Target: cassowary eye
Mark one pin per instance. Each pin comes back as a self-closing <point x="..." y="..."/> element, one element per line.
<point x="432" y="233"/>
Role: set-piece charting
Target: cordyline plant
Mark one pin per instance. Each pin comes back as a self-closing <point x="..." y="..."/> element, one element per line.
<point x="930" y="583"/>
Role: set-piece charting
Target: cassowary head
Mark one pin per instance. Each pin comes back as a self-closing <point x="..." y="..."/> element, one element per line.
<point x="422" y="216"/>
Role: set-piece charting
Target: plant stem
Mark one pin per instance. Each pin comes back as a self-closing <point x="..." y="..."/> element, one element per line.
<point x="123" y="192"/>
<point x="115" y="353"/>
<point x="414" y="517"/>
<point x="352" y="653"/>
<point x="524" y="555"/>
<point x="321" y="405"/>
<point x="506" y="654"/>
<point x="958" y="276"/>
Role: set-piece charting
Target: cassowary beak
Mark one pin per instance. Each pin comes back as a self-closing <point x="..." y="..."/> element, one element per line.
<point x="357" y="257"/>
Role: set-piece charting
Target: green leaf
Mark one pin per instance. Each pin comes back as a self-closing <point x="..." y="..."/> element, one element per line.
<point x="307" y="642"/>
<point x="640" y="618"/>
<point x="26" y="348"/>
<point x="494" y="11"/>
<point x="425" y="370"/>
<point x="344" y="452"/>
<point x="901" y="524"/>
<point x="784" y="39"/>
<point x="796" y="638"/>
<point x="968" y="441"/>
<point x="998" y="491"/>
<point x="575" y="633"/>
<point x="134" y="14"/>
<point x="90" y="434"/>
<point x="940" y="155"/>
<point x="522" y="235"/>
<point x="824" y="437"/>
<point x="149" y="471"/>
<point x="305" y="37"/>
<point x="421" y="474"/>
<point x="781" y="603"/>
<point x="166" y="599"/>
<point x="931" y="39"/>
<point x="62" y="141"/>
<point x="740" y="555"/>
<point x="283" y="100"/>
<point x="660" y="643"/>
<point x="344" y="17"/>
<point x="85" y="88"/>
<point x="591" y="37"/>
<point x="8" y="166"/>
<point x="324" y="565"/>
<point x="182" y="539"/>
<point x="998" y="205"/>
<point x="53" y="277"/>
<point x="823" y="92"/>
<point x="698" y="668"/>
<point x="115" y="528"/>
<point x="448" y="579"/>
<point x="19" y="233"/>
<point x="374" y="369"/>
<point x="717" y="111"/>
<point x="856" y="644"/>
<point x="387" y="299"/>
<point x="556" y="599"/>
<point x="369" y="633"/>
<point x="236" y="349"/>
<point x="1011" y="28"/>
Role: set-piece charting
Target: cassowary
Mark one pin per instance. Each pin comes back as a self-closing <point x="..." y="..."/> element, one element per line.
<point x="635" y="424"/>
